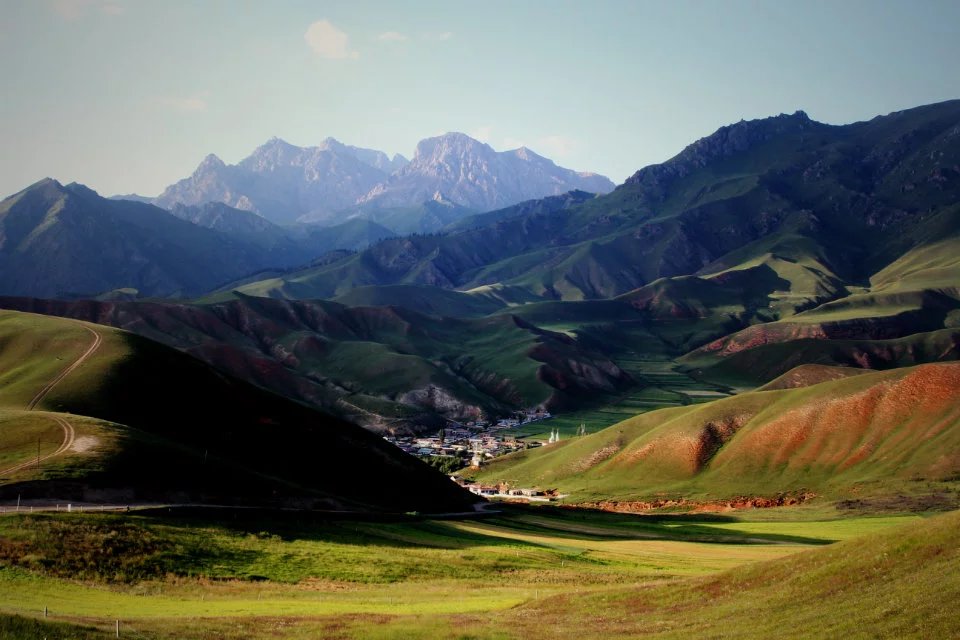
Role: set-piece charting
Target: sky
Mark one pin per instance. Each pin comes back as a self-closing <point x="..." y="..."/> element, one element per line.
<point x="129" y="96"/>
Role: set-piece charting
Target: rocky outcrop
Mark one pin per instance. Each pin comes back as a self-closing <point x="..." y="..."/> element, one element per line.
<point x="439" y="400"/>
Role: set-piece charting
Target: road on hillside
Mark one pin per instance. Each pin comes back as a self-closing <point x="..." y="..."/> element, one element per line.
<point x="63" y="374"/>
<point x="69" y="433"/>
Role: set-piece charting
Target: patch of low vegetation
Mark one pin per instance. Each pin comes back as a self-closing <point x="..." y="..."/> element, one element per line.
<point x="446" y="464"/>
<point x="101" y="549"/>
<point x="13" y="627"/>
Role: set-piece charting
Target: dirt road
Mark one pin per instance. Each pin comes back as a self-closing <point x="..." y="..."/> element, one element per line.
<point x="63" y="374"/>
<point x="69" y="433"/>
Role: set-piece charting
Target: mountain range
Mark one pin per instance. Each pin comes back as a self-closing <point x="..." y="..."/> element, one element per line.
<point x="822" y="207"/>
<point x="332" y="182"/>
<point x="769" y="244"/>
<point x="755" y="344"/>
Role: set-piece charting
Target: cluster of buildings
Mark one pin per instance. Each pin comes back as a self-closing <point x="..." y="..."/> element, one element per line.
<point x="472" y="442"/>
<point x="508" y="493"/>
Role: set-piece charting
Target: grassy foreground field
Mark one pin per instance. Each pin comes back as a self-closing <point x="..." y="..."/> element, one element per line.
<point x="537" y="573"/>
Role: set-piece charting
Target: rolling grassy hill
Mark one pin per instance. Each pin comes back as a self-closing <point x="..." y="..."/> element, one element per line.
<point x="424" y="299"/>
<point x="385" y="367"/>
<point x="141" y="421"/>
<point x="896" y="583"/>
<point x="876" y="432"/>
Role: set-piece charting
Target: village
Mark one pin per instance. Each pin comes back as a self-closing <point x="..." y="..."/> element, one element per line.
<point x="471" y="444"/>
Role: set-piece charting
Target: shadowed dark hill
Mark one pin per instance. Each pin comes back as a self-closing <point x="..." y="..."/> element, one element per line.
<point x="152" y="423"/>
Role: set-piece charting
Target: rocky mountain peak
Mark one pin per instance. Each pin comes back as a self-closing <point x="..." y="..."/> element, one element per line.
<point x="524" y="153"/>
<point x="47" y="189"/>
<point x="472" y="174"/>
<point x="453" y="144"/>
<point x="273" y="152"/>
<point x="332" y="143"/>
<point x="210" y="163"/>
<point x="81" y="189"/>
<point x="46" y="183"/>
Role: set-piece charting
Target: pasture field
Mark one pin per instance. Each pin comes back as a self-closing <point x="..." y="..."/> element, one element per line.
<point x="193" y="578"/>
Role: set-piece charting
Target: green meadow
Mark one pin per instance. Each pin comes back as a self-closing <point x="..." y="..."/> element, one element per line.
<point x="194" y="578"/>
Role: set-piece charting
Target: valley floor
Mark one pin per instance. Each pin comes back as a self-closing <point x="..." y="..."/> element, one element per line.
<point x="524" y="573"/>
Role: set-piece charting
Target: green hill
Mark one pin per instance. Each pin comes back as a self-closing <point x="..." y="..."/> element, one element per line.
<point x="425" y="299"/>
<point x="135" y="421"/>
<point x="876" y="432"/>
<point x="385" y="367"/>
<point x="899" y="583"/>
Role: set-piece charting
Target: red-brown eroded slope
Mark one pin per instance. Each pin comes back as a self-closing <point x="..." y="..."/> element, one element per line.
<point x="906" y="425"/>
<point x="880" y="431"/>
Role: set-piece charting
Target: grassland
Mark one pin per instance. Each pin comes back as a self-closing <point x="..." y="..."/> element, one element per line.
<point x="176" y="578"/>
<point x="33" y="350"/>
<point x="661" y="385"/>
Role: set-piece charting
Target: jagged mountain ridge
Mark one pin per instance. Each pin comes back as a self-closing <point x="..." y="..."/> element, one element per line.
<point x="472" y="174"/>
<point x="283" y="182"/>
<point x="332" y="181"/>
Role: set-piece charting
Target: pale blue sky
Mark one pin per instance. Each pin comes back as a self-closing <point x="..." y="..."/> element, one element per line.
<point x="129" y="96"/>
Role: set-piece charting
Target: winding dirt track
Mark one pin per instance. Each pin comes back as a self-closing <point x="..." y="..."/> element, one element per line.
<point x="69" y="433"/>
<point x="63" y="374"/>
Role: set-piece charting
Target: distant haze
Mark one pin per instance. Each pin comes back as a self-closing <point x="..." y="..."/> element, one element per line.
<point x="130" y="96"/>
